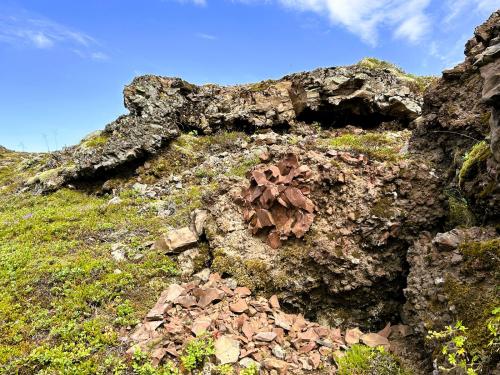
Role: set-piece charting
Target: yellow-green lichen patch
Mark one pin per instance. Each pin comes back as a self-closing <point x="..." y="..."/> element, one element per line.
<point x="378" y="145"/>
<point x="63" y="297"/>
<point x="473" y="160"/>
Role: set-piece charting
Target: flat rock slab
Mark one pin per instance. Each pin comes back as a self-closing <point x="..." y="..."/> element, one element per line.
<point x="180" y="238"/>
<point x="227" y="350"/>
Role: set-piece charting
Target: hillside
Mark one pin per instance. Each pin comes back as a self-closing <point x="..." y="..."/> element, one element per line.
<point x="332" y="221"/>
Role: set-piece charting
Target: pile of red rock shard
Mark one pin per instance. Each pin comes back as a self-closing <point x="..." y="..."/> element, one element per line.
<point x="247" y="331"/>
<point x="277" y="200"/>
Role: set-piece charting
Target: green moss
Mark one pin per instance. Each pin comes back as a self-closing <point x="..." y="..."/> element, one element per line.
<point x="362" y="360"/>
<point x="473" y="304"/>
<point x="473" y="161"/>
<point x="63" y="297"/>
<point x="96" y="141"/>
<point x="243" y="166"/>
<point x="261" y="86"/>
<point x="482" y="254"/>
<point x="252" y="273"/>
<point x="373" y="144"/>
<point x="459" y="213"/>
<point x="383" y="208"/>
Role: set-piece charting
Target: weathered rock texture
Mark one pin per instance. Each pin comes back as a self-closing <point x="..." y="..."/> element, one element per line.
<point x="160" y="108"/>
<point x="460" y="110"/>
<point x="454" y="277"/>
<point x="351" y="264"/>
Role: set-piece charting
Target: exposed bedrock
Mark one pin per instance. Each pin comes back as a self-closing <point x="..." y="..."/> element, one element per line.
<point x="161" y="108"/>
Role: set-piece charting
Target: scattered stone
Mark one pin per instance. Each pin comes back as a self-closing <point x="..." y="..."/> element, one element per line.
<point x="247" y="362"/>
<point x="352" y="336"/>
<point x="201" y="325"/>
<point x="373" y="340"/>
<point x="265" y="336"/>
<point x="180" y="238"/>
<point x="274" y="303"/>
<point x="239" y="306"/>
<point x="207" y="296"/>
<point x="227" y="350"/>
<point x="199" y="217"/>
<point x="278" y="352"/>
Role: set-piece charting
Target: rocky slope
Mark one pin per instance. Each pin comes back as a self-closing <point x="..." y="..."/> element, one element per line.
<point x="349" y="194"/>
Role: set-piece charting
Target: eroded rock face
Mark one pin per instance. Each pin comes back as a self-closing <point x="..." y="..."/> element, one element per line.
<point x="353" y="258"/>
<point x="161" y="108"/>
<point x="454" y="277"/>
<point x="461" y="109"/>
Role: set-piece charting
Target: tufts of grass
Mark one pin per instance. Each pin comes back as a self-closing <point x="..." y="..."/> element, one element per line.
<point x="196" y="352"/>
<point x="63" y="298"/>
<point x="362" y="360"/>
<point x="376" y="145"/>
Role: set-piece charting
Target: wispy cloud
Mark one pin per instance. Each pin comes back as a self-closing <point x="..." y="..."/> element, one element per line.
<point x="195" y="2"/>
<point x="205" y="36"/>
<point x="407" y="19"/>
<point x="24" y="29"/>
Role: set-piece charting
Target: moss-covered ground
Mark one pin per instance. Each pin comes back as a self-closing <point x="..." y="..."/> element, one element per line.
<point x="65" y="301"/>
<point x="384" y="146"/>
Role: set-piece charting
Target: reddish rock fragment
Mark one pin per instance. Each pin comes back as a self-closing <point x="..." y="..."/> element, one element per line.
<point x="239" y="306"/>
<point x="273" y="302"/>
<point x="208" y="296"/>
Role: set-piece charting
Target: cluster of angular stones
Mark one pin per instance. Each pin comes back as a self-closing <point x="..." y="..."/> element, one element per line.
<point x="277" y="200"/>
<point x="247" y="331"/>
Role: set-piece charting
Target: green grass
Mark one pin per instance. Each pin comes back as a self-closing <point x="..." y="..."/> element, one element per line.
<point x="376" y="145"/>
<point x="63" y="298"/>
<point x="362" y="360"/>
<point x="95" y="141"/>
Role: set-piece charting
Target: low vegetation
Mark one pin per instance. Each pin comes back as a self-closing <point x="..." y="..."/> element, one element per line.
<point x="378" y="145"/>
<point x="473" y="161"/>
<point x="362" y="360"/>
<point x="416" y="83"/>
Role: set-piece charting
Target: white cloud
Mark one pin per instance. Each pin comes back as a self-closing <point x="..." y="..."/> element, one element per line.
<point x="407" y="19"/>
<point x="23" y="29"/>
<point x="205" y="36"/>
<point x="195" y="2"/>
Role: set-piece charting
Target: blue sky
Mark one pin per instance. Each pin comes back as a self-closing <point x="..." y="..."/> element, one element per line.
<point x="63" y="64"/>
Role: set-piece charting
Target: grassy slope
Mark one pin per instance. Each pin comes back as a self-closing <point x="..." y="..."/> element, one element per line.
<point x="64" y="300"/>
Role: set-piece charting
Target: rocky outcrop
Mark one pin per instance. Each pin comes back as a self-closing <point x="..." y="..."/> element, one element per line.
<point x="453" y="277"/>
<point x="350" y="266"/>
<point x="161" y="108"/>
<point x="461" y="110"/>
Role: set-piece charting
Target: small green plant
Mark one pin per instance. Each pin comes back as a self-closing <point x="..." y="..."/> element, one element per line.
<point x="125" y="312"/>
<point x="250" y="370"/>
<point x="226" y="369"/>
<point x="142" y="366"/>
<point x="452" y="347"/>
<point x="493" y="326"/>
<point x="196" y="351"/>
<point x="459" y="212"/>
<point x="473" y="160"/>
<point x="362" y="360"/>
